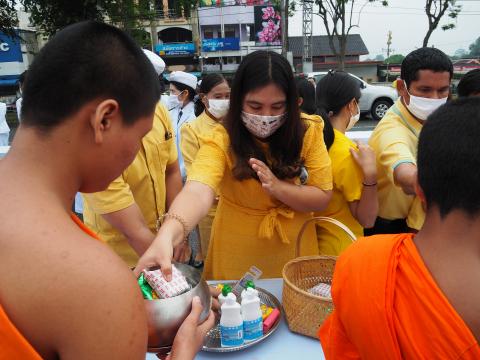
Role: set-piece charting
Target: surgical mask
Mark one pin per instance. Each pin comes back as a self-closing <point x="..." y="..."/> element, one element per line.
<point x="173" y="102"/>
<point x="218" y="107"/>
<point x="354" y="119"/>
<point x="262" y="126"/>
<point x="422" y="107"/>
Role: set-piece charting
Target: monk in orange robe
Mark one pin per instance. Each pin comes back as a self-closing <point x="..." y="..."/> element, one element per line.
<point x="417" y="296"/>
<point x="88" y="101"/>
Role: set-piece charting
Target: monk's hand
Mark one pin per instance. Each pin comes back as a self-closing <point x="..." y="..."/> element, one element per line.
<point x="158" y="255"/>
<point x="191" y="334"/>
<point x="270" y="182"/>
<point x="214" y="292"/>
<point x="365" y="158"/>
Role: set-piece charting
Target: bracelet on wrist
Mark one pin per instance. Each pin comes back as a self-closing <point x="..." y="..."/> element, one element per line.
<point x="372" y="184"/>
<point x="178" y="218"/>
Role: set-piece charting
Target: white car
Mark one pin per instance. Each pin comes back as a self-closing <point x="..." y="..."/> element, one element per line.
<point x="375" y="100"/>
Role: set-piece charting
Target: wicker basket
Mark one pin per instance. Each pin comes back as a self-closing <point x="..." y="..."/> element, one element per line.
<point x="305" y="312"/>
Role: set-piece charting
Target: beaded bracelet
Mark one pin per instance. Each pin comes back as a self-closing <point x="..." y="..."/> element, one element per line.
<point x="179" y="219"/>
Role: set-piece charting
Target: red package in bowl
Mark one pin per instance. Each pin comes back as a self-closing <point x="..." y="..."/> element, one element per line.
<point x="162" y="287"/>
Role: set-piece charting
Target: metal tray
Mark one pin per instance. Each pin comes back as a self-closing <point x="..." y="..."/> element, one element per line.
<point x="212" y="341"/>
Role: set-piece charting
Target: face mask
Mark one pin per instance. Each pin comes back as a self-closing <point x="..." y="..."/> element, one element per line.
<point x="353" y="119"/>
<point x="422" y="107"/>
<point x="173" y="102"/>
<point x="262" y="126"/>
<point x="218" y="107"/>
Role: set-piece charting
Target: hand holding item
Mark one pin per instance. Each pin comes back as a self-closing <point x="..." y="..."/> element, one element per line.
<point x="191" y="334"/>
<point x="182" y="253"/>
<point x="160" y="253"/>
<point x="365" y="158"/>
<point x="269" y="181"/>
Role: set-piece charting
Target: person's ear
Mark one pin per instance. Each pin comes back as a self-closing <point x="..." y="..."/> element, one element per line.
<point x="419" y="192"/>
<point x="300" y="101"/>
<point x="102" y="119"/>
<point x="402" y="90"/>
<point x="204" y="100"/>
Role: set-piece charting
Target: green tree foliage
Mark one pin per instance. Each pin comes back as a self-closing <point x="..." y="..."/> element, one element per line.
<point x="435" y="10"/>
<point x="394" y="59"/>
<point x="8" y="17"/>
<point x="475" y="48"/>
<point x="339" y="19"/>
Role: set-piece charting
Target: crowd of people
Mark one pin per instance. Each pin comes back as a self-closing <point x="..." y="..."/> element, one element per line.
<point x="225" y="176"/>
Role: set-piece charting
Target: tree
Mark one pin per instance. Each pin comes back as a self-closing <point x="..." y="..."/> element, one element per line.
<point x="379" y="57"/>
<point x="475" y="48"/>
<point x="8" y="17"/>
<point x="435" y="10"/>
<point x="338" y="19"/>
<point x="394" y="59"/>
<point x="49" y="16"/>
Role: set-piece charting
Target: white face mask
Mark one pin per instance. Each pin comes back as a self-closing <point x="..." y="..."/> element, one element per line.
<point x="218" y="107"/>
<point x="262" y="126"/>
<point x="173" y="102"/>
<point x="353" y="119"/>
<point x="422" y="107"/>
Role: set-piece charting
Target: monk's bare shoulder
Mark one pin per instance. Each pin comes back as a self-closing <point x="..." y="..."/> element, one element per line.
<point x="68" y="293"/>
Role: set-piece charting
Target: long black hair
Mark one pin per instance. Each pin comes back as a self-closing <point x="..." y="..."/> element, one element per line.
<point x="306" y="90"/>
<point x="258" y="70"/>
<point x="334" y="91"/>
<point x="208" y="83"/>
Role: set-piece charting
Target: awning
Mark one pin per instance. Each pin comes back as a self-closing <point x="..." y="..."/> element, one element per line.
<point x="8" y="82"/>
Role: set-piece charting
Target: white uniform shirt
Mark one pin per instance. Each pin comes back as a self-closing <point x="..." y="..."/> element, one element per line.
<point x="4" y="129"/>
<point x="187" y="114"/>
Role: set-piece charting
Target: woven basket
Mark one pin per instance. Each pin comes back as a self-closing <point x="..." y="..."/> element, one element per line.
<point x="305" y="312"/>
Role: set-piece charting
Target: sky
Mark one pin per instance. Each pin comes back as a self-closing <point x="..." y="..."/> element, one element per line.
<point x="408" y="22"/>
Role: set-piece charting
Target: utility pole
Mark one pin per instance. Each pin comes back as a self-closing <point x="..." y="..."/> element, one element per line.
<point x="389" y="42"/>
<point x="307" y="13"/>
<point x="284" y="25"/>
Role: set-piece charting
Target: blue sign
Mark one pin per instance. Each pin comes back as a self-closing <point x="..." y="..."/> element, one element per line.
<point x="175" y="49"/>
<point x="10" y="50"/>
<point x="220" y="44"/>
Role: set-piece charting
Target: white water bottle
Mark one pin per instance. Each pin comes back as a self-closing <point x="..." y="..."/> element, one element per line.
<point x="231" y="322"/>
<point x="252" y="315"/>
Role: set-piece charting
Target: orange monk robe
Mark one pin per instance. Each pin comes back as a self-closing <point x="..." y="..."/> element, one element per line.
<point x="387" y="306"/>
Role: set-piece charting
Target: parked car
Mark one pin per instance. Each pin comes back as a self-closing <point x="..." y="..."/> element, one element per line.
<point x="375" y="100"/>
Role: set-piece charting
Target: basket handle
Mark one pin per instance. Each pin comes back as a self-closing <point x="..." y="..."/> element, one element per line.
<point x="325" y="219"/>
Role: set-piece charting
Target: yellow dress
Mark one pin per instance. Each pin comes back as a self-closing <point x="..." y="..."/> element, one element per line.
<point x="143" y="183"/>
<point x="347" y="187"/>
<point x="250" y="227"/>
<point x="192" y="135"/>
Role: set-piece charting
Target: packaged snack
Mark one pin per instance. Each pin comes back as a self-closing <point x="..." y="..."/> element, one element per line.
<point x="252" y="274"/>
<point x="322" y="289"/>
<point x="270" y="320"/>
<point x="266" y="311"/>
<point x="162" y="287"/>
<point x="147" y="290"/>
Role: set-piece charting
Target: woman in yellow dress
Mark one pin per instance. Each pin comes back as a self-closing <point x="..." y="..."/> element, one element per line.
<point x="271" y="169"/>
<point x="210" y="108"/>
<point x="354" y="200"/>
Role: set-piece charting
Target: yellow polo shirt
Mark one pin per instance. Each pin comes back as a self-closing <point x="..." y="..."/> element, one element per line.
<point x="395" y="142"/>
<point x="347" y="187"/>
<point x="143" y="183"/>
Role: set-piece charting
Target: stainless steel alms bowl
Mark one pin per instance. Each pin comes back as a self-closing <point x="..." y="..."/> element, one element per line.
<point x="166" y="315"/>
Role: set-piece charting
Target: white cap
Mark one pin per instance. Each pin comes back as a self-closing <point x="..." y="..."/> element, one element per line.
<point x="184" y="78"/>
<point x="156" y="61"/>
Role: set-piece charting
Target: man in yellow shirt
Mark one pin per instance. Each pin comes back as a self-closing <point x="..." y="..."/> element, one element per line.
<point x="424" y="86"/>
<point x="125" y="215"/>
